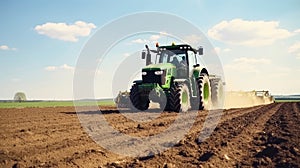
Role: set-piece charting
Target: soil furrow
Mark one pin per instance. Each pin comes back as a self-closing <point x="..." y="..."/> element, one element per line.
<point x="278" y="145"/>
<point x="232" y="153"/>
<point x="260" y="136"/>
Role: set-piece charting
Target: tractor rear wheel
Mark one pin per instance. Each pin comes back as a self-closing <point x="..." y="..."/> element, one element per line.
<point x="217" y="93"/>
<point x="179" y="98"/>
<point x="139" y="102"/>
<point x="204" y="94"/>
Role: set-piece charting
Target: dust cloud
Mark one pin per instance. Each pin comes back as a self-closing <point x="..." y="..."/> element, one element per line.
<point x="239" y="99"/>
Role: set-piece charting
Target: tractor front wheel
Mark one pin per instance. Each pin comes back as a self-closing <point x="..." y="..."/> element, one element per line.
<point x="138" y="102"/>
<point x="179" y="98"/>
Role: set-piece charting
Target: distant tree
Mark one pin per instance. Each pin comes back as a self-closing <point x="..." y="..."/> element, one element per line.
<point x="20" y="96"/>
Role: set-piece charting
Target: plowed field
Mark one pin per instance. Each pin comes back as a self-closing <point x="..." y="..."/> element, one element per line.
<point x="260" y="136"/>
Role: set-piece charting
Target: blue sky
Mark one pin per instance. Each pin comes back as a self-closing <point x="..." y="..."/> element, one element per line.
<point x="258" y="42"/>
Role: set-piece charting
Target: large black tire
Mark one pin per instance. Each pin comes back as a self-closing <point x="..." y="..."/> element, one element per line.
<point x="217" y="93"/>
<point x="178" y="98"/>
<point x="204" y="92"/>
<point x="138" y="102"/>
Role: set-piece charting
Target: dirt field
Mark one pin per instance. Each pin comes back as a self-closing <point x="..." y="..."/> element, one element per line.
<point x="260" y="136"/>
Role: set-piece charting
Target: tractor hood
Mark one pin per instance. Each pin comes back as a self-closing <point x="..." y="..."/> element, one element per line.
<point x="160" y="74"/>
<point x="158" y="66"/>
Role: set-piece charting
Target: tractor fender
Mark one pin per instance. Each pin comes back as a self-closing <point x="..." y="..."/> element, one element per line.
<point x="200" y="70"/>
<point x="138" y="81"/>
<point x="204" y="71"/>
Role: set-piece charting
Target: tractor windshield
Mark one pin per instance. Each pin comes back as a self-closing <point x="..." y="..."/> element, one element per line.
<point x="171" y="56"/>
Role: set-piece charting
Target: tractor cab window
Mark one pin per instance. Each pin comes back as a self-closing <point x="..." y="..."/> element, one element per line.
<point x="175" y="57"/>
<point x="178" y="60"/>
<point x="163" y="58"/>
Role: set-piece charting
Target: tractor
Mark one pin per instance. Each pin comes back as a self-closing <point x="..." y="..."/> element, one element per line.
<point x="176" y="80"/>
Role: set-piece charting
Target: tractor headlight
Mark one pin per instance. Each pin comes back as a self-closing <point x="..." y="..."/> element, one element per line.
<point x="158" y="72"/>
<point x="144" y="73"/>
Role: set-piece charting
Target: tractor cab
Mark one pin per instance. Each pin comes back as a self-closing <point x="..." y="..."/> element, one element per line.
<point x="182" y="57"/>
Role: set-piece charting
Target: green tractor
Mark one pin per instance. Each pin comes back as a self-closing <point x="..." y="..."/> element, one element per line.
<point x="176" y="81"/>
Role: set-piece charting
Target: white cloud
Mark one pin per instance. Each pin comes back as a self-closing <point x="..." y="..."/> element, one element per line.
<point x="140" y="41"/>
<point x="50" y="68"/>
<point x="62" y="67"/>
<point x="295" y="49"/>
<point x="154" y="37"/>
<point x="297" y="31"/>
<point x="65" y="32"/>
<point x="67" y="67"/>
<point x="248" y="33"/>
<point x="160" y="37"/>
<point x="5" y="47"/>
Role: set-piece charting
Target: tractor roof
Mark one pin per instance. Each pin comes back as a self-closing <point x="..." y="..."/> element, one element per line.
<point x="178" y="47"/>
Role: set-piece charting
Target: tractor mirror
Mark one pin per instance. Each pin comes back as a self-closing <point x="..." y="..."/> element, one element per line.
<point x="143" y="55"/>
<point x="200" y="51"/>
